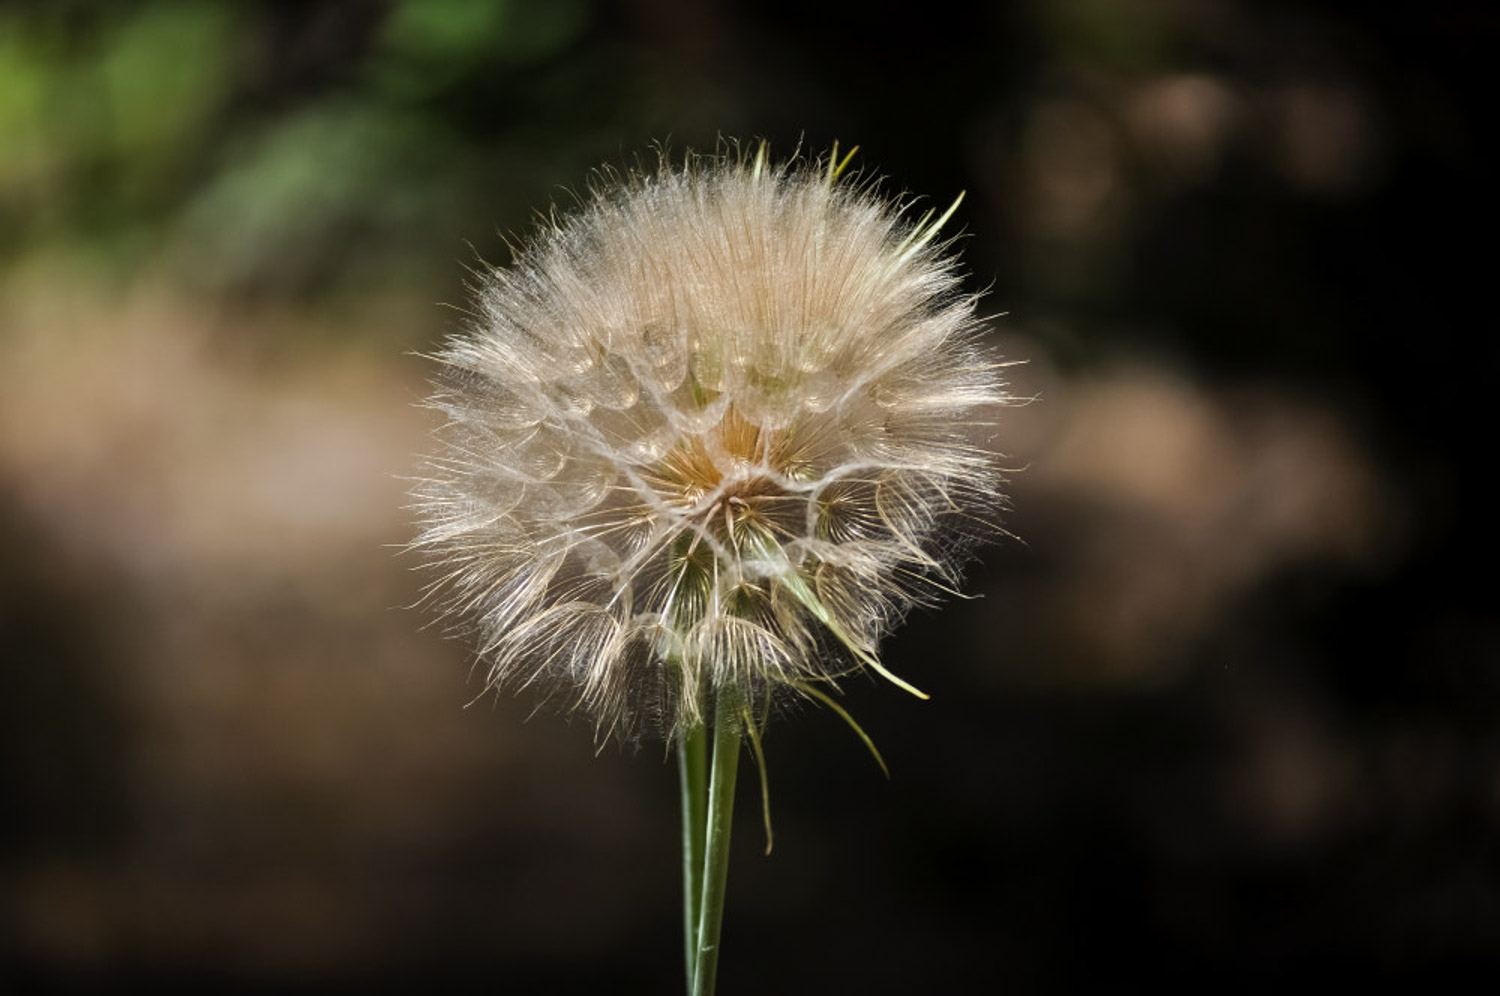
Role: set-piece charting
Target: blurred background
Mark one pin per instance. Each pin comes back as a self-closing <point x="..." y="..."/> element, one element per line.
<point x="1225" y="713"/>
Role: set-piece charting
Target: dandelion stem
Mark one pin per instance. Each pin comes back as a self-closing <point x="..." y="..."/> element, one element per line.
<point x="726" y="761"/>
<point x="692" y="763"/>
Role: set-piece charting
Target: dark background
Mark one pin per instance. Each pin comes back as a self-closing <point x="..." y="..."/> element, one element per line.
<point x="1225" y="715"/>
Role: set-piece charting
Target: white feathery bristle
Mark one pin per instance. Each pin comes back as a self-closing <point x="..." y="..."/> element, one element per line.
<point x="715" y="432"/>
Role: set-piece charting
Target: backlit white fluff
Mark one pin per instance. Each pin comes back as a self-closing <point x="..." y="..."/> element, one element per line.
<point x="713" y="433"/>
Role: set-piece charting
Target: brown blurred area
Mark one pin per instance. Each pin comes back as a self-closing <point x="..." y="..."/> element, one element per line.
<point x="1224" y="711"/>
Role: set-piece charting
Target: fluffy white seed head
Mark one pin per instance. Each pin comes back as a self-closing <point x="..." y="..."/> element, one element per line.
<point x="714" y="433"/>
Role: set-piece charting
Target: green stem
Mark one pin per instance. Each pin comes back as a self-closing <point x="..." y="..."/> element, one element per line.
<point x="692" y="766"/>
<point x="716" y="857"/>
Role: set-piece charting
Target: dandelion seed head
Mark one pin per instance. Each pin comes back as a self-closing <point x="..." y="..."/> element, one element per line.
<point x="717" y="430"/>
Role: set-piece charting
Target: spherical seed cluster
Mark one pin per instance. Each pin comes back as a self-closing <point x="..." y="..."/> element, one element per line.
<point x="713" y="434"/>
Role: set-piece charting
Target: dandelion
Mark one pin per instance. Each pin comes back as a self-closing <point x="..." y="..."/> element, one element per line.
<point x="706" y="440"/>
